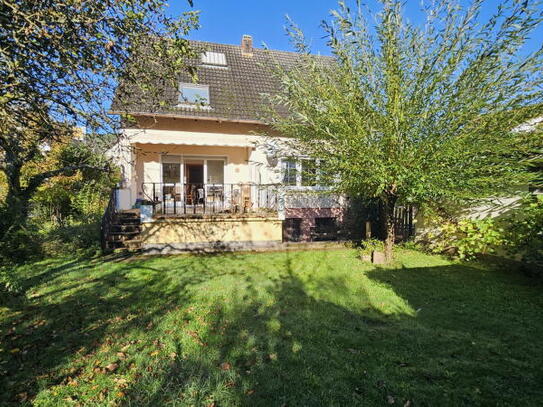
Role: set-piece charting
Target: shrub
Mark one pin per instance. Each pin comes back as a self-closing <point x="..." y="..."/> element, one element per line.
<point x="467" y="238"/>
<point x="82" y="238"/>
<point x="9" y="283"/>
<point x="371" y="245"/>
<point x="525" y="232"/>
<point x="20" y="246"/>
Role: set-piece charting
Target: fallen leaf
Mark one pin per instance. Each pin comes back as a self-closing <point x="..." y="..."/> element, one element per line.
<point x="390" y="400"/>
<point x="225" y="366"/>
<point x="121" y="382"/>
<point x="249" y="392"/>
<point x="112" y="367"/>
<point x="407" y="403"/>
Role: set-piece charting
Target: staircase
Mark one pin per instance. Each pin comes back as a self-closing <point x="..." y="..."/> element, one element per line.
<point x="124" y="231"/>
<point x="120" y="229"/>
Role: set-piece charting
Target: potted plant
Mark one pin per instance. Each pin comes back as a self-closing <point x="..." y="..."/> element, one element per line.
<point x="372" y="250"/>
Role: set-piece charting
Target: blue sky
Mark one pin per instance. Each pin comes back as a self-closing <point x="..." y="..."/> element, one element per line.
<point x="225" y="21"/>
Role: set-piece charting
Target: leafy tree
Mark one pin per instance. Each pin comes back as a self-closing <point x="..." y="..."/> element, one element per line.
<point x="60" y="61"/>
<point x="417" y="114"/>
<point x="64" y="212"/>
<point x="80" y="193"/>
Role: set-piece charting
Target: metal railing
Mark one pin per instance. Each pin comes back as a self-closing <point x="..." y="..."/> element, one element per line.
<point x="198" y="198"/>
<point x="107" y="218"/>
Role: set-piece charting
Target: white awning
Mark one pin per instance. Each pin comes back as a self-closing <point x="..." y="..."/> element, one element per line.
<point x="188" y="138"/>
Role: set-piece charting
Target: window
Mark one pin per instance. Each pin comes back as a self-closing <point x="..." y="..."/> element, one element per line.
<point x="325" y="224"/>
<point x="193" y="94"/>
<point x="214" y="59"/>
<point x="171" y="173"/>
<point x="309" y="173"/>
<point x="289" y="172"/>
<point x="325" y="229"/>
<point x="292" y="229"/>
<point x="301" y="172"/>
<point x="215" y="171"/>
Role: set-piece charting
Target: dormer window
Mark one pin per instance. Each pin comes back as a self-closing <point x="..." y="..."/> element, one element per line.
<point x="214" y="59"/>
<point x="191" y="94"/>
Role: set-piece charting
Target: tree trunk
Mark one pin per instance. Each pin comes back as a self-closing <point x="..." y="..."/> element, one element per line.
<point x="387" y="217"/>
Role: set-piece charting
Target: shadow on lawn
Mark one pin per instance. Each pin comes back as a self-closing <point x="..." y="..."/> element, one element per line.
<point x="280" y="344"/>
<point x="299" y="350"/>
<point x="44" y="333"/>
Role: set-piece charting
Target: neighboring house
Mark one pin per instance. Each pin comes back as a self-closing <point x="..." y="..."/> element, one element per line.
<point x="201" y="174"/>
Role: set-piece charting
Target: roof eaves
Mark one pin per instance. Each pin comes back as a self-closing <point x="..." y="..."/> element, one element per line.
<point x="179" y="116"/>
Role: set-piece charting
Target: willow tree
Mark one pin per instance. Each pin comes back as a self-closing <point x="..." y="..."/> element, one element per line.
<point x="420" y="114"/>
<point x="60" y="63"/>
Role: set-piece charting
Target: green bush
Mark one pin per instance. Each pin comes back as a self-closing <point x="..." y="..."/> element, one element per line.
<point x="371" y="245"/>
<point x="21" y="246"/>
<point x="525" y="232"/>
<point x="9" y="284"/>
<point x="82" y="238"/>
<point x="518" y="235"/>
<point x="467" y="238"/>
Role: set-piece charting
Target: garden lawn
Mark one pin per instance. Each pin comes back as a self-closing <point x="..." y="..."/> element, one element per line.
<point x="272" y="329"/>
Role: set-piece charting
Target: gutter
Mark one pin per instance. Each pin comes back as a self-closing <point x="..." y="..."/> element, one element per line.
<point x="176" y="116"/>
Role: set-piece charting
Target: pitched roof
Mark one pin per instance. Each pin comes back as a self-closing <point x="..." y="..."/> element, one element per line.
<point x="236" y="91"/>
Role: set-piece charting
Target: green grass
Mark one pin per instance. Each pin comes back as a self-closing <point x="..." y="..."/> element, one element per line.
<point x="273" y="329"/>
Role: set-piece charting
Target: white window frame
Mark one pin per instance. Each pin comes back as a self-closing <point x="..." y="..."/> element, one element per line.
<point x="212" y="59"/>
<point x="299" y="186"/>
<point x="193" y="105"/>
<point x="182" y="159"/>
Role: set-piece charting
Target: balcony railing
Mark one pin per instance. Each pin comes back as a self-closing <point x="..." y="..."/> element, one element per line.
<point x="178" y="199"/>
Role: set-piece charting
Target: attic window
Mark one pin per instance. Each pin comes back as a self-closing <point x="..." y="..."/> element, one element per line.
<point x="191" y="94"/>
<point x="214" y="59"/>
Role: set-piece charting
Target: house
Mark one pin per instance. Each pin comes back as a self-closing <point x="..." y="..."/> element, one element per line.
<point x="200" y="172"/>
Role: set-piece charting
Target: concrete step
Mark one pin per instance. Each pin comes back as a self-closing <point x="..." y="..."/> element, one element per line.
<point x="134" y="244"/>
<point x="125" y="228"/>
<point x="126" y="220"/>
<point x="126" y="223"/>
<point x="121" y="238"/>
<point x="125" y="232"/>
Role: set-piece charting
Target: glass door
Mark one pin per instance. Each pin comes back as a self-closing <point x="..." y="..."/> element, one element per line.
<point x="215" y="182"/>
<point x="171" y="178"/>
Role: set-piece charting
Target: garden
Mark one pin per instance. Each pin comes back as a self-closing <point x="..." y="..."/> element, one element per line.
<point x="288" y="328"/>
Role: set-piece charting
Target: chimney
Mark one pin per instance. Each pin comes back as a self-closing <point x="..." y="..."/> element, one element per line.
<point x="247" y="46"/>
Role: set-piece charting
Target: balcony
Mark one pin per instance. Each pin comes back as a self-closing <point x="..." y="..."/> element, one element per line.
<point x="197" y="199"/>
